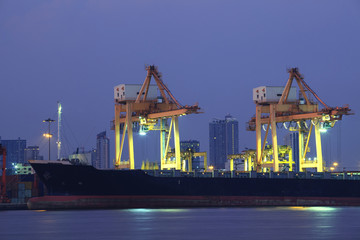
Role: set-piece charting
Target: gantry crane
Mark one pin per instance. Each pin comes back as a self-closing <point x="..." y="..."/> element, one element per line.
<point x="271" y="113"/>
<point x="187" y="157"/>
<point x="151" y="114"/>
<point x="249" y="158"/>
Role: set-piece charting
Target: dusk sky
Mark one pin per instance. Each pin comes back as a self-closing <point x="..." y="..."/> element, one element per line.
<point x="210" y="52"/>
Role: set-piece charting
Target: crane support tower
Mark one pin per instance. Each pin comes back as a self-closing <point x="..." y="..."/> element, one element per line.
<point x="140" y="104"/>
<point x="249" y="158"/>
<point x="283" y="107"/>
<point x="187" y="157"/>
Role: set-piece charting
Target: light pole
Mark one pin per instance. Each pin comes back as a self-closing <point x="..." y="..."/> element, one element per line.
<point x="48" y="135"/>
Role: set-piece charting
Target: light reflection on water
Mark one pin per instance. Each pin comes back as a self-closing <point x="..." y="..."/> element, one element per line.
<point x="148" y="210"/>
<point x="204" y="223"/>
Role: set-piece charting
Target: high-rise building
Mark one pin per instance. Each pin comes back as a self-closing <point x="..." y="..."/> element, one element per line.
<point x="223" y="140"/>
<point x="102" y="159"/>
<point x="292" y="140"/>
<point x="15" y="151"/>
<point x="232" y="135"/>
<point x="32" y="153"/>
<point x="194" y="146"/>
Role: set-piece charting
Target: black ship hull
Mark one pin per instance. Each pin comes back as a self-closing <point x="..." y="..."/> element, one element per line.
<point x="72" y="186"/>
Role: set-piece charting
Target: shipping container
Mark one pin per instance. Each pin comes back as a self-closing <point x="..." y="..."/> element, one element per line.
<point x="21" y="186"/>
<point x="21" y="193"/>
<point x="28" y="185"/>
<point x="124" y="92"/>
<point x="266" y="94"/>
<point x="28" y="193"/>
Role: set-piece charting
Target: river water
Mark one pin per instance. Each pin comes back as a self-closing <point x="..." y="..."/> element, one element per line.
<point x="204" y="223"/>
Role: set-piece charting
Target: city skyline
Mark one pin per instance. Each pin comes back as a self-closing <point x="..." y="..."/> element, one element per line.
<point x="76" y="52"/>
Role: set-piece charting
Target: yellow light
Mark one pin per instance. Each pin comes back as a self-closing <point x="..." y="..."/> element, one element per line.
<point x="47" y="135"/>
<point x="335" y="164"/>
<point x="297" y="208"/>
<point x="332" y="168"/>
<point x="211" y="168"/>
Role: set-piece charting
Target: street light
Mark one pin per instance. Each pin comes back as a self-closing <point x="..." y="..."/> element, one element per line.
<point x="48" y="134"/>
<point x="334" y="165"/>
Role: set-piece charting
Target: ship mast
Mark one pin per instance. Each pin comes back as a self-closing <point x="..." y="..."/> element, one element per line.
<point x="59" y="126"/>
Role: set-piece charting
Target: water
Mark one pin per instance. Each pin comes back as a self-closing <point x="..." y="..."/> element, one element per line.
<point x="207" y="223"/>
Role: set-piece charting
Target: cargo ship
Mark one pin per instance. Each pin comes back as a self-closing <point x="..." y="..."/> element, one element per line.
<point x="85" y="187"/>
<point x="78" y="186"/>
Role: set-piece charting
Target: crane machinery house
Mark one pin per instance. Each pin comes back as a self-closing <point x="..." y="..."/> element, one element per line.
<point x="125" y="92"/>
<point x="266" y="94"/>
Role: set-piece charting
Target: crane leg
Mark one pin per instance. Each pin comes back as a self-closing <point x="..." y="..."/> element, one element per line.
<point x="177" y="143"/>
<point x="205" y="162"/>
<point x="117" y="135"/>
<point x="274" y="138"/>
<point x="319" y="156"/>
<point x="258" y="139"/>
<point x="301" y="148"/>
<point x="130" y="135"/>
<point x="162" y="141"/>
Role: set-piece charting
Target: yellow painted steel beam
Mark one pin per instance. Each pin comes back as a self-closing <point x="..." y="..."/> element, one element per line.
<point x="186" y="154"/>
<point x="172" y="113"/>
<point x="143" y="87"/>
<point x="302" y="91"/>
<point x="163" y="147"/>
<point x="313" y="164"/>
<point x="264" y="143"/>
<point x="307" y="143"/>
<point x="190" y="163"/>
<point x="296" y="117"/>
<point x="258" y="137"/>
<point x="291" y="108"/>
<point x="205" y="162"/>
<point x="177" y="142"/>
<point x="274" y="138"/>
<point x="147" y="106"/>
<point x="118" y="161"/>
<point x="267" y="164"/>
<point x="286" y="90"/>
<point x="231" y="164"/>
<point x="124" y="164"/>
<point x="301" y="147"/>
<point x="167" y="114"/>
<point x="130" y="136"/>
<point x="202" y="154"/>
<point x="291" y="161"/>
<point x="117" y="135"/>
<point x="167" y="145"/>
<point x="319" y="157"/>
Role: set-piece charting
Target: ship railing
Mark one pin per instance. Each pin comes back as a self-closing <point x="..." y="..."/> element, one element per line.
<point x="254" y="174"/>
